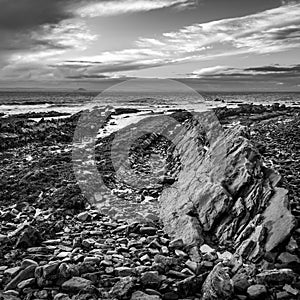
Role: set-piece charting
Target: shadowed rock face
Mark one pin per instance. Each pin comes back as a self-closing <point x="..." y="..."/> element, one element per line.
<point x="226" y="196"/>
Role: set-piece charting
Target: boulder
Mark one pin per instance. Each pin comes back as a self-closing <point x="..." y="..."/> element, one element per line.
<point x="225" y="195"/>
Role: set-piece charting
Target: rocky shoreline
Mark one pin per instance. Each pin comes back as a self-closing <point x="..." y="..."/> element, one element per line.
<point x="55" y="245"/>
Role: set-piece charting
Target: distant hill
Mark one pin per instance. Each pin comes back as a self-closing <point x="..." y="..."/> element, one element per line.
<point x="81" y="90"/>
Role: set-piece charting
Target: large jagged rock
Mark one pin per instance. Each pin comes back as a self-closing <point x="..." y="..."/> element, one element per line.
<point x="226" y="196"/>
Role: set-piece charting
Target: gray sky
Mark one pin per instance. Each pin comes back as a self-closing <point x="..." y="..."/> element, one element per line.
<point x="214" y="44"/>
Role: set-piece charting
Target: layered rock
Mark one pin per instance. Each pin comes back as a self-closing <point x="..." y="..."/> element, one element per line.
<point x="226" y="196"/>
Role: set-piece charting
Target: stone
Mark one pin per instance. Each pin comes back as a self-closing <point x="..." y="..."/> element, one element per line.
<point x="12" y="271"/>
<point x="176" y="244"/>
<point x="287" y="258"/>
<point x="180" y="253"/>
<point x="145" y="258"/>
<point x="190" y="286"/>
<point x="124" y="271"/>
<point x="68" y="270"/>
<point x="43" y="294"/>
<point x="217" y="284"/>
<point x="61" y="296"/>
<point x="76" y="284"/>
<point x="257" y="291"/>
<point x="206" y="249"/>
<point x="151" y="280"/>
<point x="28" y="262"/>
<point x="226" y="255"/>
<point x="23" y="275"/>
<point x="148" y="230"/>
<point x="139" y="295"/>
<point x="283" y="296"/>
<point x="28" y="238"/>
<point x="49" y="269"/>
<point x="170" y="296"/>
<point x="92" y="259"/>
<point x="240" y="283"/>
<point x="3" y="268"/>
<point x="165" y="250"/>
<point x="63" y="254"/>
<point x="88" y="243"/>
<point x="165" y="261"/>
<point x="84" y="216"/>
<point x="290" y="290"/>
<point x="275" y="276"/>
<point x="292" y="245"/>
<point x="123" y="288"/>
<point x="193" y="266"/>
<point x="2" y="238"/>
<point x="25" y="283"/>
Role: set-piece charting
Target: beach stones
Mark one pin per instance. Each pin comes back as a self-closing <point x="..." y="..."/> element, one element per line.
<point x="81" y="250"/>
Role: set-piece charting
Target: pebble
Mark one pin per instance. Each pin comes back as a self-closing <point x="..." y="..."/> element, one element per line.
<point x="148" y="230"/>
<point x="257" y="291"/>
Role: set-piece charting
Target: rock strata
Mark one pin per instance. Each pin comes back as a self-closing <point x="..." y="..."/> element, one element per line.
<point x="227" y="198"/>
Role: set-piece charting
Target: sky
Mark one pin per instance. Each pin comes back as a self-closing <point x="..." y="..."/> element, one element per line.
<point x="212" y="45"/>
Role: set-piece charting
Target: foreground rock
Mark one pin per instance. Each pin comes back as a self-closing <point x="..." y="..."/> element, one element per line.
<point x="227" y="198"/>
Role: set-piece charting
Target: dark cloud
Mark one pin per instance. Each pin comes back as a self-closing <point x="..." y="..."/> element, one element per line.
<point x="284" y="76"/>
<point x="84" y="69"/>
<point x="273" y="70"/>
<point x="88" y="77"/>
<point x="277" y="69"/>
<point x="292" y="32"/>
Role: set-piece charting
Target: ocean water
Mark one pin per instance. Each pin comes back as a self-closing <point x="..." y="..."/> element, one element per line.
<point x="72" y="102"/>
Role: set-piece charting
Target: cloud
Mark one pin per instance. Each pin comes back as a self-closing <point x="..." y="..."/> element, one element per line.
<point x="268" y="78"/>
<point x="39" y="28"/>
<point x="272" y="71"/>
<point x="117" y="7"/>
<point x="50" y="34"/>
<point x="35" y="29"/>
<point x="49" y="40"/>
<point x="268" y="31"/>
<point x="265" y="32"/>
<point x="209" y="71"/>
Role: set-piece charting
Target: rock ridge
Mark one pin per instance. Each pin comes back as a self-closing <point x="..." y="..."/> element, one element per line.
<point x="227" y="197"/>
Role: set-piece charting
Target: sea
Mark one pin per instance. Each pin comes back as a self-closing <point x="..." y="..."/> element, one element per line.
<point x="16" y="102"/>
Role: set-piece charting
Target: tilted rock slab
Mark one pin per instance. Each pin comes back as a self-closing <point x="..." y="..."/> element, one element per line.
<point x="224" y="195"/>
